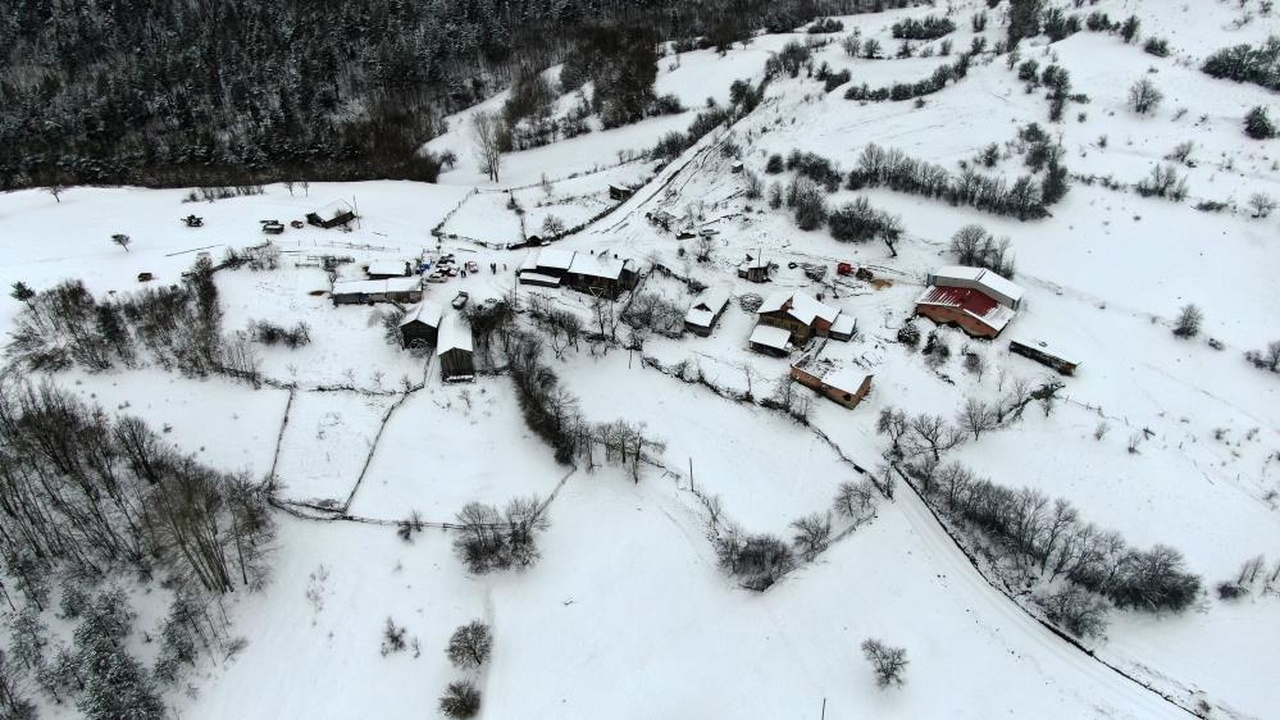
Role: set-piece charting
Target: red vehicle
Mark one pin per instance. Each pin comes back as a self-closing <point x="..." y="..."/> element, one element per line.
<point x="473" y="266"/>
<point x="844" y="268"/>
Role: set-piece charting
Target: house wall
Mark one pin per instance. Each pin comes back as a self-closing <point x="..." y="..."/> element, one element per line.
<point x="418" y="330"/>
<point x="844" y="397"/>
<point x="455" y="363"/>
<point x="799" y="331"/>
<point x="967" y="322"/>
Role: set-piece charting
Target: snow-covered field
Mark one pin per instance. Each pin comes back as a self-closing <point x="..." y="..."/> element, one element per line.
<point x="1165" y="440"/>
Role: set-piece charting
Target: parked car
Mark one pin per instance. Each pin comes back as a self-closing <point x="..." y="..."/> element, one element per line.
<point x="460" y="300"/>
<point x="473" y="266"/>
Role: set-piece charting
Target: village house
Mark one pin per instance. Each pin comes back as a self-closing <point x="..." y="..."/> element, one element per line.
<point x="707" y="309"/>
<point x="599" y="274"/>
<point x="801" y="315"/>
<point x="978" y="300"/>
<point x="454" y="351"/>
<point x="402" y="290"/>
<point x="383" y="269"/>
<point x="838" y="382"/>
<point x="421" y="324"/>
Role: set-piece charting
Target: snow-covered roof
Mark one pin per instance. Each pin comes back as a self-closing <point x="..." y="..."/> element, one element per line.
<point x="386" y="267"/>
<point x="455" y="334"/>
<point x="770" y="336"/>
<point x="553" y="259"/>
<point x="601" y="265"/>
<point x="775" y="301"/>
<point x="1046" y="347"/>
<point x="713" y="298"/>
<point x="395" y="284"/>
<point x="803" y="307"/>
<point x="997" y="286"/>
<point x="847" y="378"/>
<point x="755" y="262"/>
<point x="425" y="312"/>
<point x="537" y="278"/>
<point x="972" y="302"/>
<point x="701" y="318"/>
<point x="844" y="325"/>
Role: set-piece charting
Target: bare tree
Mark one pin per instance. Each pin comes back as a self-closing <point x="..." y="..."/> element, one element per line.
<point x="813" y="534"/>
<point x="1144" y="96"/>
<point x="486" y="132"/>
<point x="461" y="700"/>
<point x="977" y="417"/>
<point x="470" y="645"/>
<point x="855" y="500"/>
<point x="935" y="432"/>
<point x="889" y="663"/>
<point x="894" y="423"/>
<point x="1188" y="322"/>
<point x="1262" y="204"/>
<point x="122" y="240"/>
<point x="56" y="191"/>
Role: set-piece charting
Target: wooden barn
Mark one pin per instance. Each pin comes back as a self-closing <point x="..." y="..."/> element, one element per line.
<point x="1045" y="354"/>
<point x="545" y="267"/>
<point x="979" y="301"/>
<point x="707" y="309"/>
<point x="454" y="351"/>
<point x="602" y="274"/>
<point x="839" y="383"/>
<point x="801" y="315"/>
<point x="332" y="215"/>
<point x="360" y="292"/>
<point x="420" y="326"/>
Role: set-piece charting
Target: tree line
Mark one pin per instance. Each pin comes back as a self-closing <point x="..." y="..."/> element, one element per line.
<point x="1079" y="569"/>
<point x="94" y="493"/>
<point x="176" y="93"/>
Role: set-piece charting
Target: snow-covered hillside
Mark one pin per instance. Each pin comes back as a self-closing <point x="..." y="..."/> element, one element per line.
<point x="1165" y="440"/>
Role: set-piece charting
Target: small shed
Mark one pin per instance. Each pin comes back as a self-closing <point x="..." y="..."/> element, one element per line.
<point x="770" y="340"/>
<point x="1045" y="354"/>
<point x="620" y="192"/>
<point x="420" y="326"/>
<point x="454" y="351"/>
<point x="754" y="269"/>
<point x="843" y="328"/>
<point x="707" y="309"/>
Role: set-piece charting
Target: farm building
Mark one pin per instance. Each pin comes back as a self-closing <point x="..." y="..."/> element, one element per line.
<point x="620" y="192"/>
<point x="454" y="351"/>
<point x="707" y="309"/>
<point x="839" y="383"/>
<point x="601" y="275"/>
<point x="801" y="315"/>
<point x="357" y="292"/>
<point x="383" y="269"/>
<point x="769" y="339"/>
<point x="844" y="327"/>
<point x="421" y="324"/>
<point x="754" y="269"/>
<point x="545" y="267"/>
<point x="1045" y="354"/>
<point x="981" y="302"/>
<point x="336" y="213"/>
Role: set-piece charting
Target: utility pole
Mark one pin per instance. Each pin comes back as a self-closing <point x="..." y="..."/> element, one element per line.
<point x="824" y="709"/>
<point x="691" y="475"/>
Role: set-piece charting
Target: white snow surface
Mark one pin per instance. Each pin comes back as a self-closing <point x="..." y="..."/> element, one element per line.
<point x="626" y="614"/>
